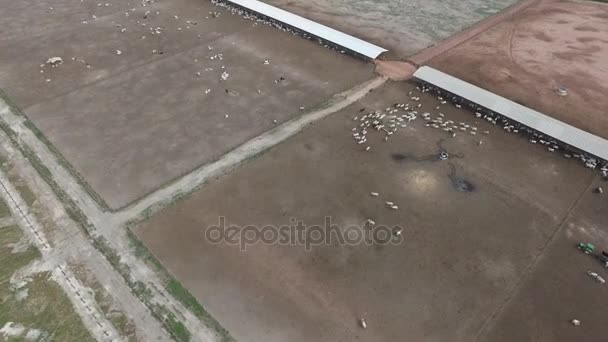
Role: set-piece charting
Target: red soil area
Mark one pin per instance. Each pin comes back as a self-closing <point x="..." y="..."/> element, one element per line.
<point x="528" y="56"/>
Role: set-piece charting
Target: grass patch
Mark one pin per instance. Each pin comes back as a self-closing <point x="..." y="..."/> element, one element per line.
<point x="4" y="210"/>
<point x="11" y="262"/>
<point x="46" y="306"/>
<point x="177" y="290"/>
<point x="20" y="185"/>
<point x="122" y="323"/>
<point x="12" y="105"/>
<point x="180" y="333"/>
<point x="179" y="330"/>
<point x="26" y="193"/>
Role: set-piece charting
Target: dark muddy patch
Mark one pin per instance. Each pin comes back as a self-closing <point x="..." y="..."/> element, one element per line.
<point x="399" y="157"/>
<point x="586" y="28"/>
<point x="586" y="39"/>
<point x="403" y="158"/>
<point x="458" y="183"/>
<point x="462" y="185"/>
<point x="543" y="36"/>
<point x="600" y="15"/>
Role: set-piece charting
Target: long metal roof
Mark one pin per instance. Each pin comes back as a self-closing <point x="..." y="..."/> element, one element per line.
<point x="547" y="125"/>
<point x="339" y="38"/>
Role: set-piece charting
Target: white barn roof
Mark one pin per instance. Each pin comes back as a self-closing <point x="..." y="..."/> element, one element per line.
<point x="547" y="125"/>
<point x="339" y="38"/>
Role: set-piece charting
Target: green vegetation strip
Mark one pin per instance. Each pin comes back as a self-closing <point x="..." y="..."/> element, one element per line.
<point x="26" y="193"/>
<point x="12" y="262"/>
<point x="138" y="288"/>
<point x="175" y="288"/>
<point x="44" y="307"/>
<point x="12" y="105"/>
<point x="4" y="210"/>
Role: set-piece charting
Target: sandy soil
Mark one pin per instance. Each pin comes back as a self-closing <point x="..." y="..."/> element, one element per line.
<point x="548" y="45"/>
<point x="135" y="121"/>
<point x="402" y="26"/>
<point x="464" y="254"/>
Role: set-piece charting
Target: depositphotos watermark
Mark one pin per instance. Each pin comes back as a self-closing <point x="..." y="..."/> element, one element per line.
<point x="299" y="234"/>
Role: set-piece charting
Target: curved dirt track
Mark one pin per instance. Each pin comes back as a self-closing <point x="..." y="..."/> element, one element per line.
<point x="429" y="53"/>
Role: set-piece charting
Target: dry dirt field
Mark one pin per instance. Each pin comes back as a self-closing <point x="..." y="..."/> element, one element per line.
<point x="558" y="290"/>
<point x="548" y="45"/>
<point x="402" y="26"/>
<point x="133" y="120"/>
<point x="466" y="267"/>
<point x="148" y="94"/>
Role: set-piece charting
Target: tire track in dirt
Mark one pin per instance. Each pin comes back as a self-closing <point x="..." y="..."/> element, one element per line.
<point x="426" y="55"/>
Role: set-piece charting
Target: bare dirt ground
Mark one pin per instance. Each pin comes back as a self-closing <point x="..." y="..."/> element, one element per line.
<point x="233" y="159"/>
<point x="402" y="26"/>
<point x="133" y="121"/>
<point x="559" y="290"/>
<point x="468" y="259"/>
<point x="548" y="45"/>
